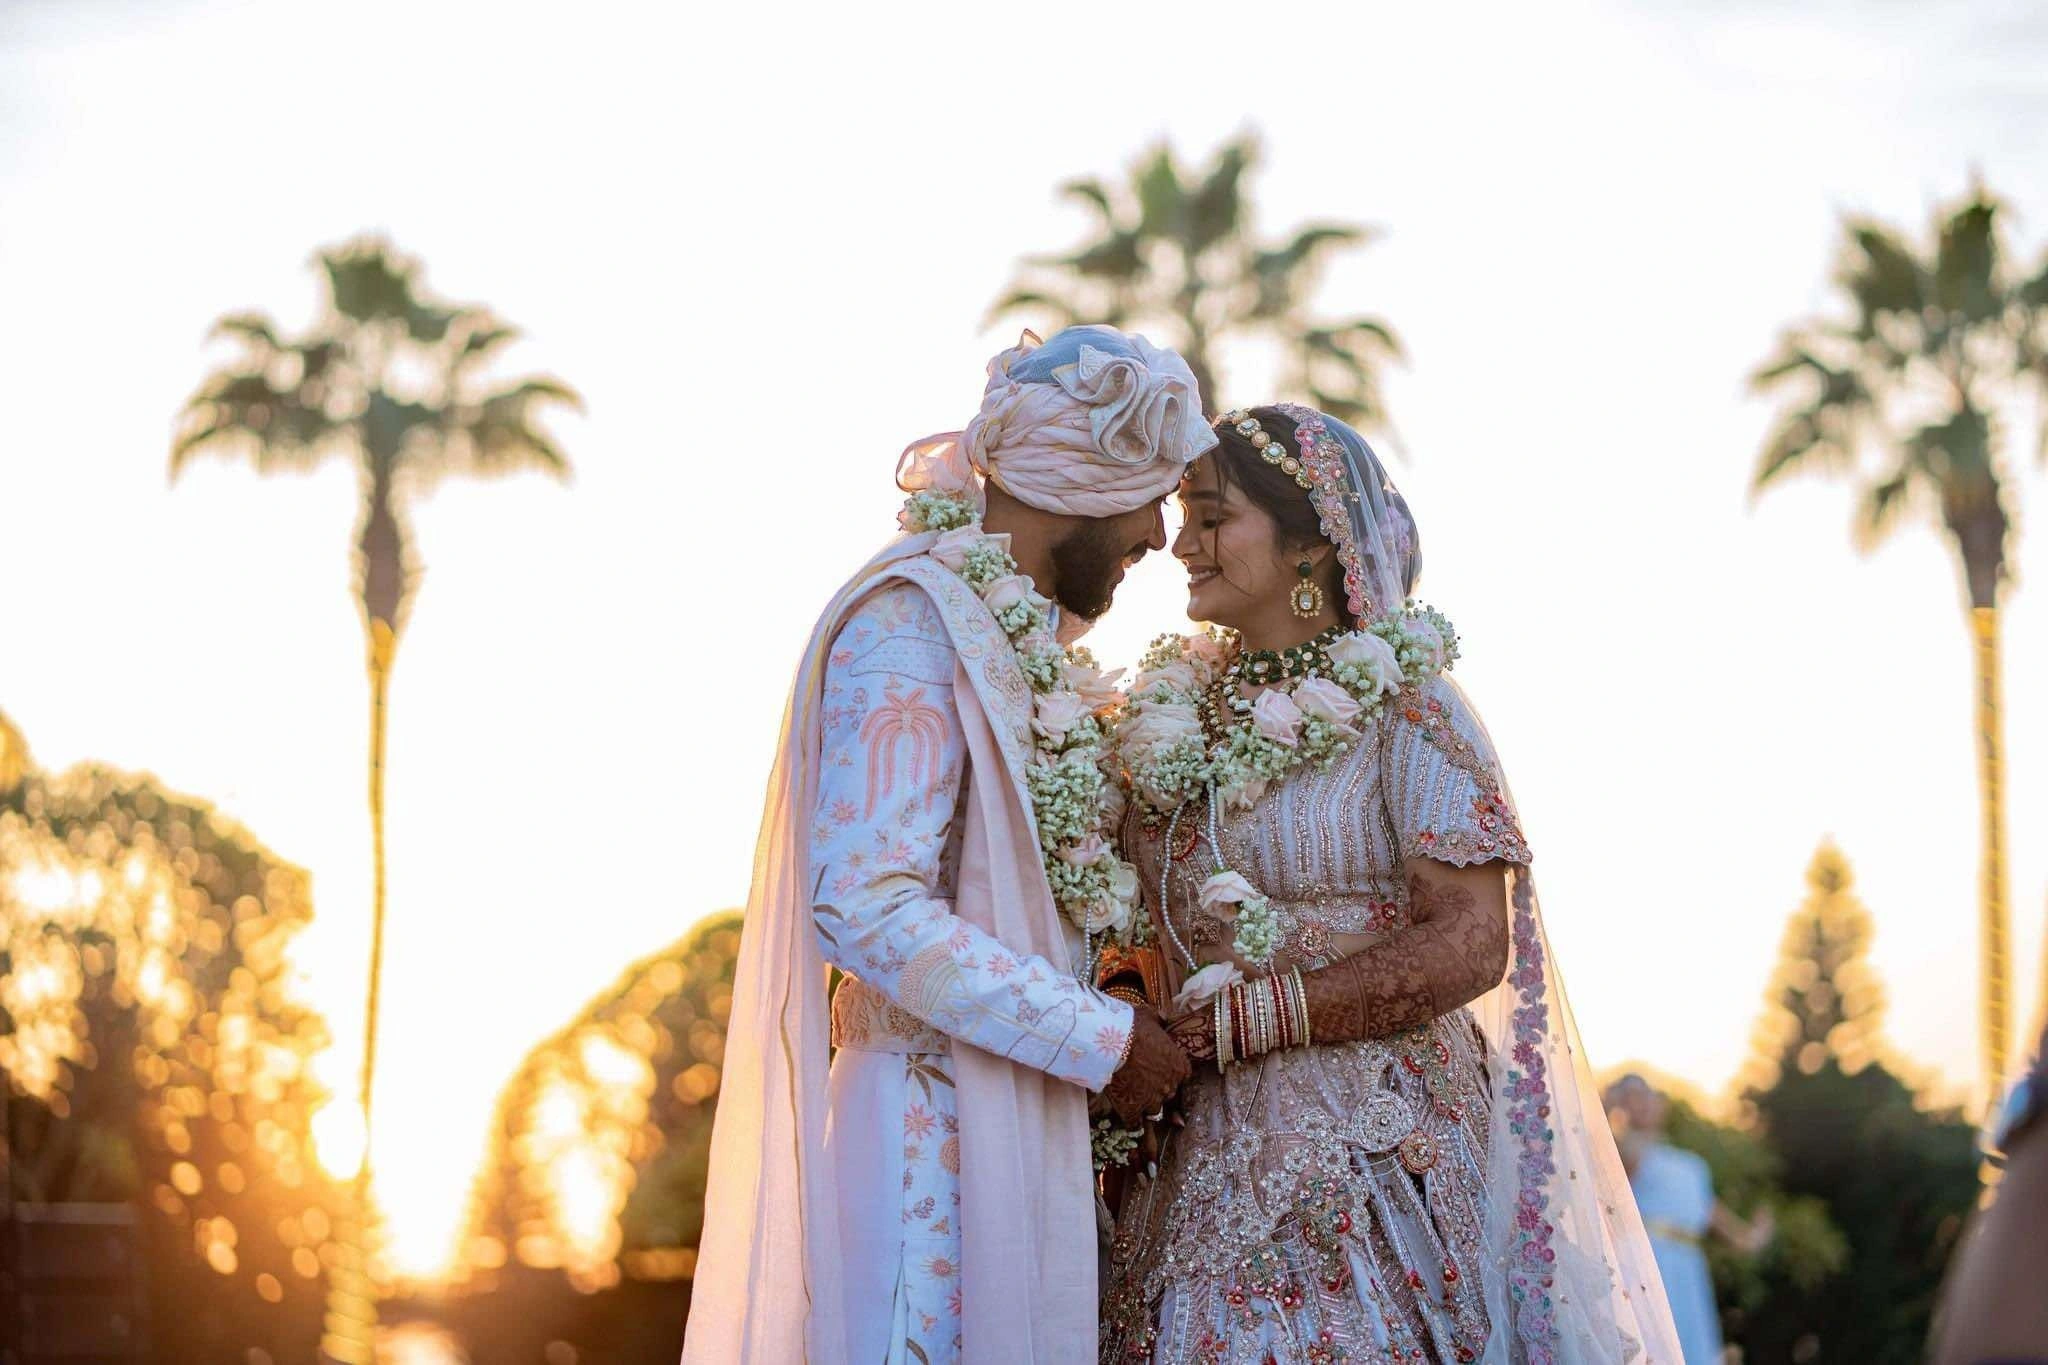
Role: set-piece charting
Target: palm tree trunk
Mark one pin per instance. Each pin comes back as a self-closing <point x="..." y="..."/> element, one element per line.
<point x="1994" y="931"/>
<point x="351" y="1293"/>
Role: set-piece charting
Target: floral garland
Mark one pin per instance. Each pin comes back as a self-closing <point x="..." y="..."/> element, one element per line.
<point x="1072" y="799"/>
<point x="1167" y="758"/>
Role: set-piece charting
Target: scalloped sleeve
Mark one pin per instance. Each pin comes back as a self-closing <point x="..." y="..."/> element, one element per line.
<point x="1444" y="786"/>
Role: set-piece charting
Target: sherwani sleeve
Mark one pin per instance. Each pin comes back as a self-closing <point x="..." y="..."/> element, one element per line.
<point x="892" y="763"/>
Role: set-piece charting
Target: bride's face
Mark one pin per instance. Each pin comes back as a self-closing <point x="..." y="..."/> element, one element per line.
<point x="1237" y="571"/>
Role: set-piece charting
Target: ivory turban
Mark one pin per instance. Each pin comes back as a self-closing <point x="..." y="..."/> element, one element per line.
<point x="1093" y="422"/>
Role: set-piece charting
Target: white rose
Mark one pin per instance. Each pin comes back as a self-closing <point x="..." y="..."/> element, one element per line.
<point x="1374" y="657"/>
<point x="1057" y="713"/>
<point x="1223" y="893"/>
<point x="1205" y="985"/>
<point x="1123" y="882"/>
<point x="1323" y="699"/>
<point x="1277" y="718"/>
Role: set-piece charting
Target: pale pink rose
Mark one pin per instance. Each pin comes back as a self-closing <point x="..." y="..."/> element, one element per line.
<point x="1006" y="592"/>
<point x="1374" y="657"/>
<point x="951" y="548"/>
<point x="1425" y="637"/>
<point x="1223" y="893"/>
<point x="1088" y="852"/>
<point x="1108" y="914"/>
<point x="1153" y="725"/>
<point x="1179" y="675"/>
<point x="1205" y="651"/>
<point x="1037" y="642"/>
<point x="1058" y="713"/>
<point x="1205" y="985"/>
<point x="1277" y="718"/>
<point x="1097" y="686"/>
<point x="1246" y="796"/>
<point x="1113" y="805"/>
<point x="1323" y="699"/>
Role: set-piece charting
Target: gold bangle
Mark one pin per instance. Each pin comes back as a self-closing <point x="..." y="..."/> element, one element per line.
<point x="1130" y="995"/>
<point x="1222" y="1027"/>
<point x="1308" y="1038"/>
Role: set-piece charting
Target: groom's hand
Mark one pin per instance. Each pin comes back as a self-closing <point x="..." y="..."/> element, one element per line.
<point x="1151" y="1074"/>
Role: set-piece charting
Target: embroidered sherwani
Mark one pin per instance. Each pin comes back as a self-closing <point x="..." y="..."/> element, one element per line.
<point x="1324" y="1203"/>
<point x="919" y="982"/>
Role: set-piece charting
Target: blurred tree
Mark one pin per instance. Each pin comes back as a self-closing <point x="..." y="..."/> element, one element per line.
<point x="1176" y="252"/>
<point x="154" y="1051"/>
<point x="599" y="1157"/>
<point x="1903" y="399"/>
<point x="392" y="380"/>
<point x="1806" y="1247"/>
<point x="1843" y="1129"/>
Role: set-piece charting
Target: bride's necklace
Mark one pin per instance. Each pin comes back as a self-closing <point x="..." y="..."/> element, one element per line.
<point x="1223" y="702"/>
<point x="1261" y="666"/>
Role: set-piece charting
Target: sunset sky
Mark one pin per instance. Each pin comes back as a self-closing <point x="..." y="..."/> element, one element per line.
<point x="762" y="242"/>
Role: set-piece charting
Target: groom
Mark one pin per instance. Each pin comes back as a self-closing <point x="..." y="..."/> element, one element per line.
<point x="932" y="1199"/>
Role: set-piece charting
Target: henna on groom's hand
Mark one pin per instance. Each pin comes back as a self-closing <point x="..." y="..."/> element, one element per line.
<point x="1154" y="1070"/>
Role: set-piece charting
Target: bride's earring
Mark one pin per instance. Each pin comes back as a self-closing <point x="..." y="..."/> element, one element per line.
<point x="1307" y="597"/>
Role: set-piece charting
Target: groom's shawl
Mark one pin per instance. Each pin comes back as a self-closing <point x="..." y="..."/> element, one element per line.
<point x="768" y="1286"/>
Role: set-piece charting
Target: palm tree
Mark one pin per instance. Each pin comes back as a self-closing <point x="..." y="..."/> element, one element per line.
<point x="1176" y="252"/>
<point x="392" y="380"/>
<point x="1903" y="400"/>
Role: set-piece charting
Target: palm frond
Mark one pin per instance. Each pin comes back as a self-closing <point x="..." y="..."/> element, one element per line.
<point x="1885" y="504"/>
<point x="1090" y="191"/>
<point x="367" y="281"/>
<point x="1796" y="444"/>
<point x="1118" y="257"/>
<point x="1966" y="262"/>
<point x="1216" y="207"/>
<point x="499" y="433"/>
<point x="1162" y="199"/>
<point x="241" y="412"/>
<point x="253" y="328"/>
<point x="1881" y="273"/>
<point x="1283" y="275"/>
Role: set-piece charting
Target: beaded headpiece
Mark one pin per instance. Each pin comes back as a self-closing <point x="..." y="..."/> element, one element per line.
<point x="1271" y="451"/>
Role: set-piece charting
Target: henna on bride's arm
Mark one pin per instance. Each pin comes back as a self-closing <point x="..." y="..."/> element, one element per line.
<point x="1454" y="950"/>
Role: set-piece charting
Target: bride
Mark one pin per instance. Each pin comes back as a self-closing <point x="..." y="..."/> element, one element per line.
<point x="1392" y="1148"/>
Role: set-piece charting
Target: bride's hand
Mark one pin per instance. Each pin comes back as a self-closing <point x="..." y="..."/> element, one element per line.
<point x="1195" y="1032"/>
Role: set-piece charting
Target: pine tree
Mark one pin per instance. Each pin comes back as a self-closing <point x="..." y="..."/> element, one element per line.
<point x="1824" y="1000"/>
<point x="1897" y="1179"/>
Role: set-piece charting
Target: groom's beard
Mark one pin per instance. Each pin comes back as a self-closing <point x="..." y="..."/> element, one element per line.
<point x="1085" y="567"/>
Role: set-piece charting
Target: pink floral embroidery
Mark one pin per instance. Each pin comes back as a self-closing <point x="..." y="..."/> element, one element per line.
<point x="918" y="1121"/>
<point x="1109" y="1040"/>
<point x="903" y="716"/>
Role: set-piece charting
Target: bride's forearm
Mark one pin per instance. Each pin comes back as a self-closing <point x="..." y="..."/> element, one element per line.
<point x="1455" y="951"/>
